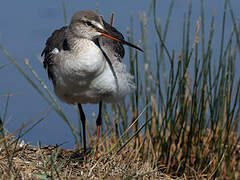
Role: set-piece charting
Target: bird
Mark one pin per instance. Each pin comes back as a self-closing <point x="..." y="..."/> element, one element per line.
<point x="84" y="62"/>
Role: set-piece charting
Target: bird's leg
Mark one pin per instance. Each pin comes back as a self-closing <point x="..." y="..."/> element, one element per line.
<point x="98" y="122"/>
<point x="83" y="120"/>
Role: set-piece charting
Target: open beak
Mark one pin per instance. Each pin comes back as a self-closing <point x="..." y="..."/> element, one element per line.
<point x="104" y="33"/>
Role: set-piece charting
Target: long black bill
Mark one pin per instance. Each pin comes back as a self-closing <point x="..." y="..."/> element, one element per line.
<point x="120" y="40"/>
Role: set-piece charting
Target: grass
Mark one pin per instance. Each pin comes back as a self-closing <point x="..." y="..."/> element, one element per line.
<point x="181" y="123"/>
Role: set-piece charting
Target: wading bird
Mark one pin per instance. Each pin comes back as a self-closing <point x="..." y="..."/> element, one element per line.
<point x="84" y="63"/>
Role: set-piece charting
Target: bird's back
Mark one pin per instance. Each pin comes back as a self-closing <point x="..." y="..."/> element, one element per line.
<point x="57" y="41"/>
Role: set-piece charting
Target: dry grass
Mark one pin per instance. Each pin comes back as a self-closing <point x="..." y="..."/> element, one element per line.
<point x="30" y="162"/>
<point x="138" y="160"/>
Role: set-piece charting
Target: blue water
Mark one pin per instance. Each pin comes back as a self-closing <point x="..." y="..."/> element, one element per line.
<point x="25" y="25"/>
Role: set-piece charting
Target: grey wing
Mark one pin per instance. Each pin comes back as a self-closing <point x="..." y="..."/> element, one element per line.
<point x="57" y="41"/>
<point x="113" y="46"/>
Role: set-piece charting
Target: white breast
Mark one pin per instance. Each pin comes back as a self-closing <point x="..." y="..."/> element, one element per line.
<point x="84" y="61"/>
<point x="83" y="76"/>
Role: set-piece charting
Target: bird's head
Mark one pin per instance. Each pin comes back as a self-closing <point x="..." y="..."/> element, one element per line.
<point x="88" y="24"/>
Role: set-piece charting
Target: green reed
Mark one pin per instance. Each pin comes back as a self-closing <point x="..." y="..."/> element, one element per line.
<point x="194" y="104"/>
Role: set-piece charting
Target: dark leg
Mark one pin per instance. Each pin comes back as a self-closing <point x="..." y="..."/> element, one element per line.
<point x="98" y="122"/>
<point x="83" y="120"/>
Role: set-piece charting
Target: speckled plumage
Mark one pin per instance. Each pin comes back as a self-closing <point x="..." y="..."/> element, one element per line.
<point x="79" y="60"/>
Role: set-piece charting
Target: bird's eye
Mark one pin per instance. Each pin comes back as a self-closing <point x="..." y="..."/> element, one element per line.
<point x="88" y="23"/>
